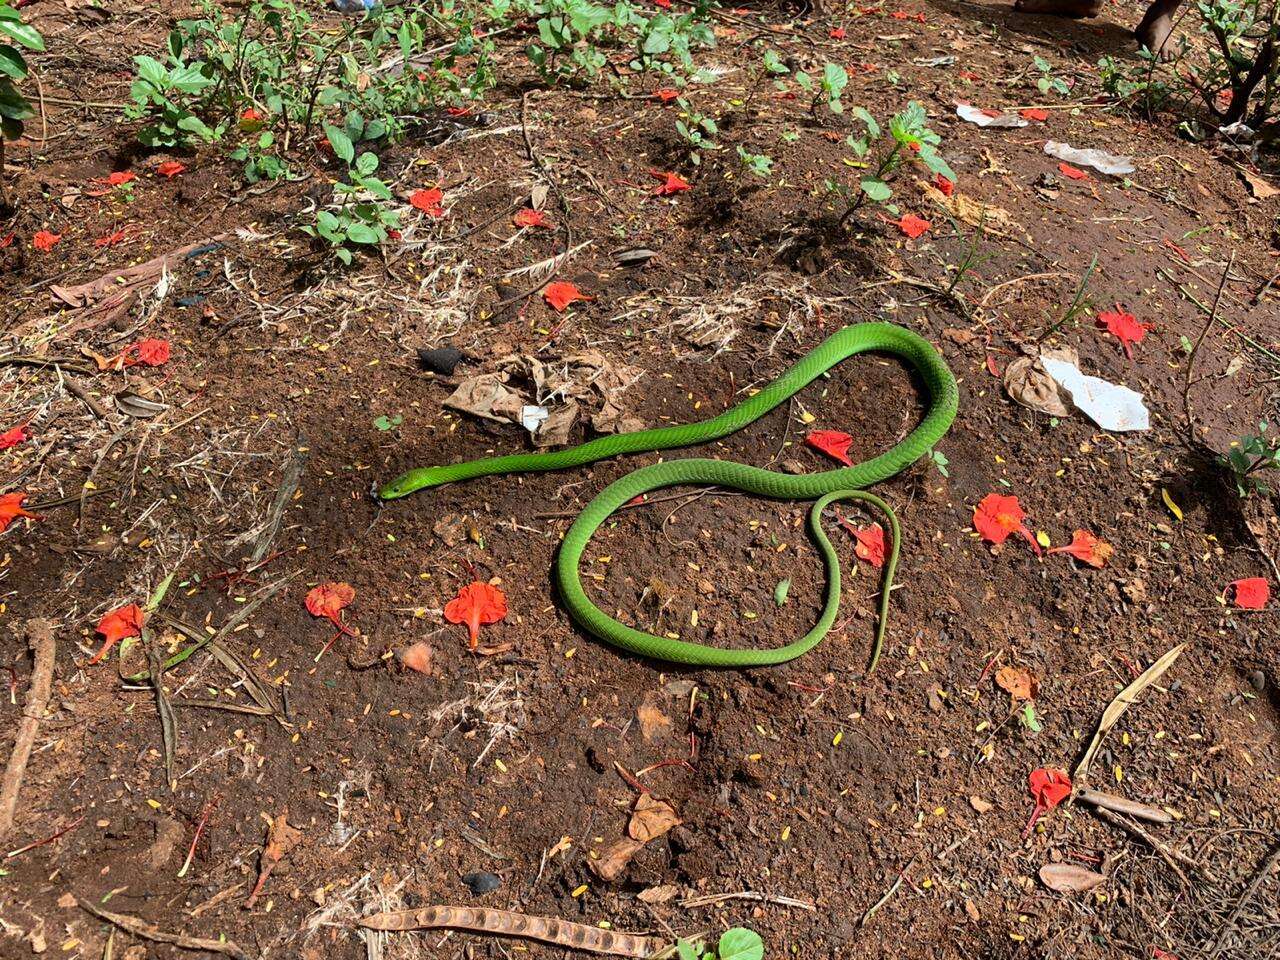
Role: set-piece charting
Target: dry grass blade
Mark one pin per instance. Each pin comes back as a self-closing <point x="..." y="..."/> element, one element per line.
<point x="140" y="928"/>
<point x="288" y="487"/>
<point x="1116" y="708"/>
<point x="168" y="719"/>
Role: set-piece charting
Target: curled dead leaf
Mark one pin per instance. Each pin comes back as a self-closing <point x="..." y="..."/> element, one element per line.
<point x="614" y="859"/>
<point x="1028" y="383"/>
<point x="1019" y="682"/>
<point x="1069" y="878"/>
<point x="651" y="819"/>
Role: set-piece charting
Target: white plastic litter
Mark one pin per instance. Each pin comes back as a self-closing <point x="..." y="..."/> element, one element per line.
<point x="975" y="115"/>
<point x="1109" y="405"/>
<point x="1100" y="160"/>
<point x="532" y="418"/>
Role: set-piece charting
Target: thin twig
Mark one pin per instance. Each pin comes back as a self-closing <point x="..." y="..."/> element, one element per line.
<point x="1264" y="870"/>
<point x="1191" y="360"/>
<point x="140" y="928"/>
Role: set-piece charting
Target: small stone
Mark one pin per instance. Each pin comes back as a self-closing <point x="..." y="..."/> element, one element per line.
<point x="1258" y="680"/>
<point x="980" y="805"/>
<point x="443" y="360"/>
<point x="482" y="882"/>
<point x="793" y="466"/>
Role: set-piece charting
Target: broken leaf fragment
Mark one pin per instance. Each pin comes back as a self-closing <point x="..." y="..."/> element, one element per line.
<point x="614" y="858"/>
<point x="1019" y="682"/>
<point x="1070" y="878"/>
<point x="281" y="839"/>
<point x="651" y="818"/>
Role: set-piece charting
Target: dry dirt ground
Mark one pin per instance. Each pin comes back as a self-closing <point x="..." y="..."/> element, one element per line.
<point x="865" y="816"/>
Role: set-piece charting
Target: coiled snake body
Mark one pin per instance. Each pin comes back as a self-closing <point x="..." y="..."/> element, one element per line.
<point x="829" y="486"/>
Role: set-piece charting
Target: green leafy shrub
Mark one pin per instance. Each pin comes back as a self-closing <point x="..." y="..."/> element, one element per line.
<point x="1251" y="461"/>
<point x="908" y="141"/>
<point x="364" y="216"/>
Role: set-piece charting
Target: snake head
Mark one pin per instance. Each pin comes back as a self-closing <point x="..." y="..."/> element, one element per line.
<point x="398" y="487"/>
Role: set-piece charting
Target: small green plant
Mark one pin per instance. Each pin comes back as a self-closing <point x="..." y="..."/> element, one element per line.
<point x="364" y="216"/>
<point x="1080" y="302"/>
<point x="1140" y="86"/>
<point x="760" y="164"/>
<point x="909" y="141"/>
<point x="168" y="97"/>
<point x="826" y="89"/>
<point x="1241" y="79"/>
<point x="1251" y="460"/>
<point x="696" y="129"/>
<point x="1047" y="82"/>
<point x="736" y="944"/>
<point x="939" y="461"/>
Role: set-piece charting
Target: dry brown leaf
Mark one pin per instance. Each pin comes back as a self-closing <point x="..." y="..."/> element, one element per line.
<point x="614" y="858"/>
<point x="1259" y="187"/>
<point x="663" y="894"/>
<point x="1116" y="708"/>
<point x="652" y="818"/>
<point x="654" y="724"/>
<point x="1027" y="382"/>
<point x="1069" y="878"/>
<point x="281" y="839"/>
<point x="1019" y="682"/>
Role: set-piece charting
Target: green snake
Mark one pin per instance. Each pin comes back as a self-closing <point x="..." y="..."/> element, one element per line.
<point x="828" y="487"/>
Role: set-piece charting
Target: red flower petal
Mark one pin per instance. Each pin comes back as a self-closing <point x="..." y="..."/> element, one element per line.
<point x="998" y="516"/>
<point x="1252" y="593"/>
<point x="11" y="509"/>
<point x="1124" y="326"/>
<point x="1049" y="786"/>
<point x="870" y="546"/>
<point x="7" y="239"/>
<point x="14" y="436"/>
<point x="831" y="442"/>
<point x="1034" y="113"/>
<point x="171" y="168"/>
<point x="428" y="201"/>
<point x="151" y="353"/>
<point x="532" y="218"/>
<point x="913" y="226"/>
<point x="671" y="183"/>
<point x="945" y="186"/>
<point x="328" y="599"/>
<point x="837" y="33"/>
<point x="1087" y="548"/>
<point x="562" y="293"/>
<point x="1072" y="173"/>
<point x="46" y="241"/>
<point x="476" y="603"/>
<point x="111" y="239"/>
<point x="121" y="622"/>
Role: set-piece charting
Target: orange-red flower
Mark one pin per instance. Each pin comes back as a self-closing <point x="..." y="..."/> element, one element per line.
<point x="429" y="201"/>
<point x="998" y="516"/>
<point x="1124" y="326"/>
<point x="532" y="218"/>
<point x="1049" y="786"/>
<point x="476" y="604"/>
<point x="1252" y="593"/>
<point x="171" y="168"/>
<point x="11" y="509"/>
<point x="671" y="183"/>
<point x="1087" y="548"/>
<point x="46" y="241"/>
<point x="913" y="226"/>
<point x="14" y="436"/>
<point x="121" y="622"/>
<point x="561" y="293"/>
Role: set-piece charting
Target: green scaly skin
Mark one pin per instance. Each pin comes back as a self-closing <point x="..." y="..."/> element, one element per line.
<point x="828" y="487"/>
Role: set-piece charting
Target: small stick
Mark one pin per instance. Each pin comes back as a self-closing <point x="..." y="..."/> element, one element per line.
<point x="1122" y="805"/>
<point x="1204" y="332"/>
<point x="1263" y="871"/>
<point x="49" y="839"/>
<point x="715" y="898"/>
<point x="140" y="928"/>
<point x="1166" y="854"/>
<point x="43" y="648"/>
<point x="888" y="893"/>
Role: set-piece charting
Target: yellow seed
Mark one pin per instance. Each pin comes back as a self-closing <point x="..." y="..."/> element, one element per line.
<point x="835" y="741"/>
<point x="580" y="890"/>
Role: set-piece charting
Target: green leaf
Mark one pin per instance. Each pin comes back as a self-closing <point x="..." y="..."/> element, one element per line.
<point x="685" y="950"/>
<point x="22" y="33"/>
<point x="741" y="944"/>
<point x="12" y="62"/>
<point x="363" y="233"/>
<point x="876" y="190"/>
<point x="366" y="163"/>
<point x="343" y="254"/>
<point x="343" y="148"/>
<point x="781" y="590"/>
<point x="385" y="423"/>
